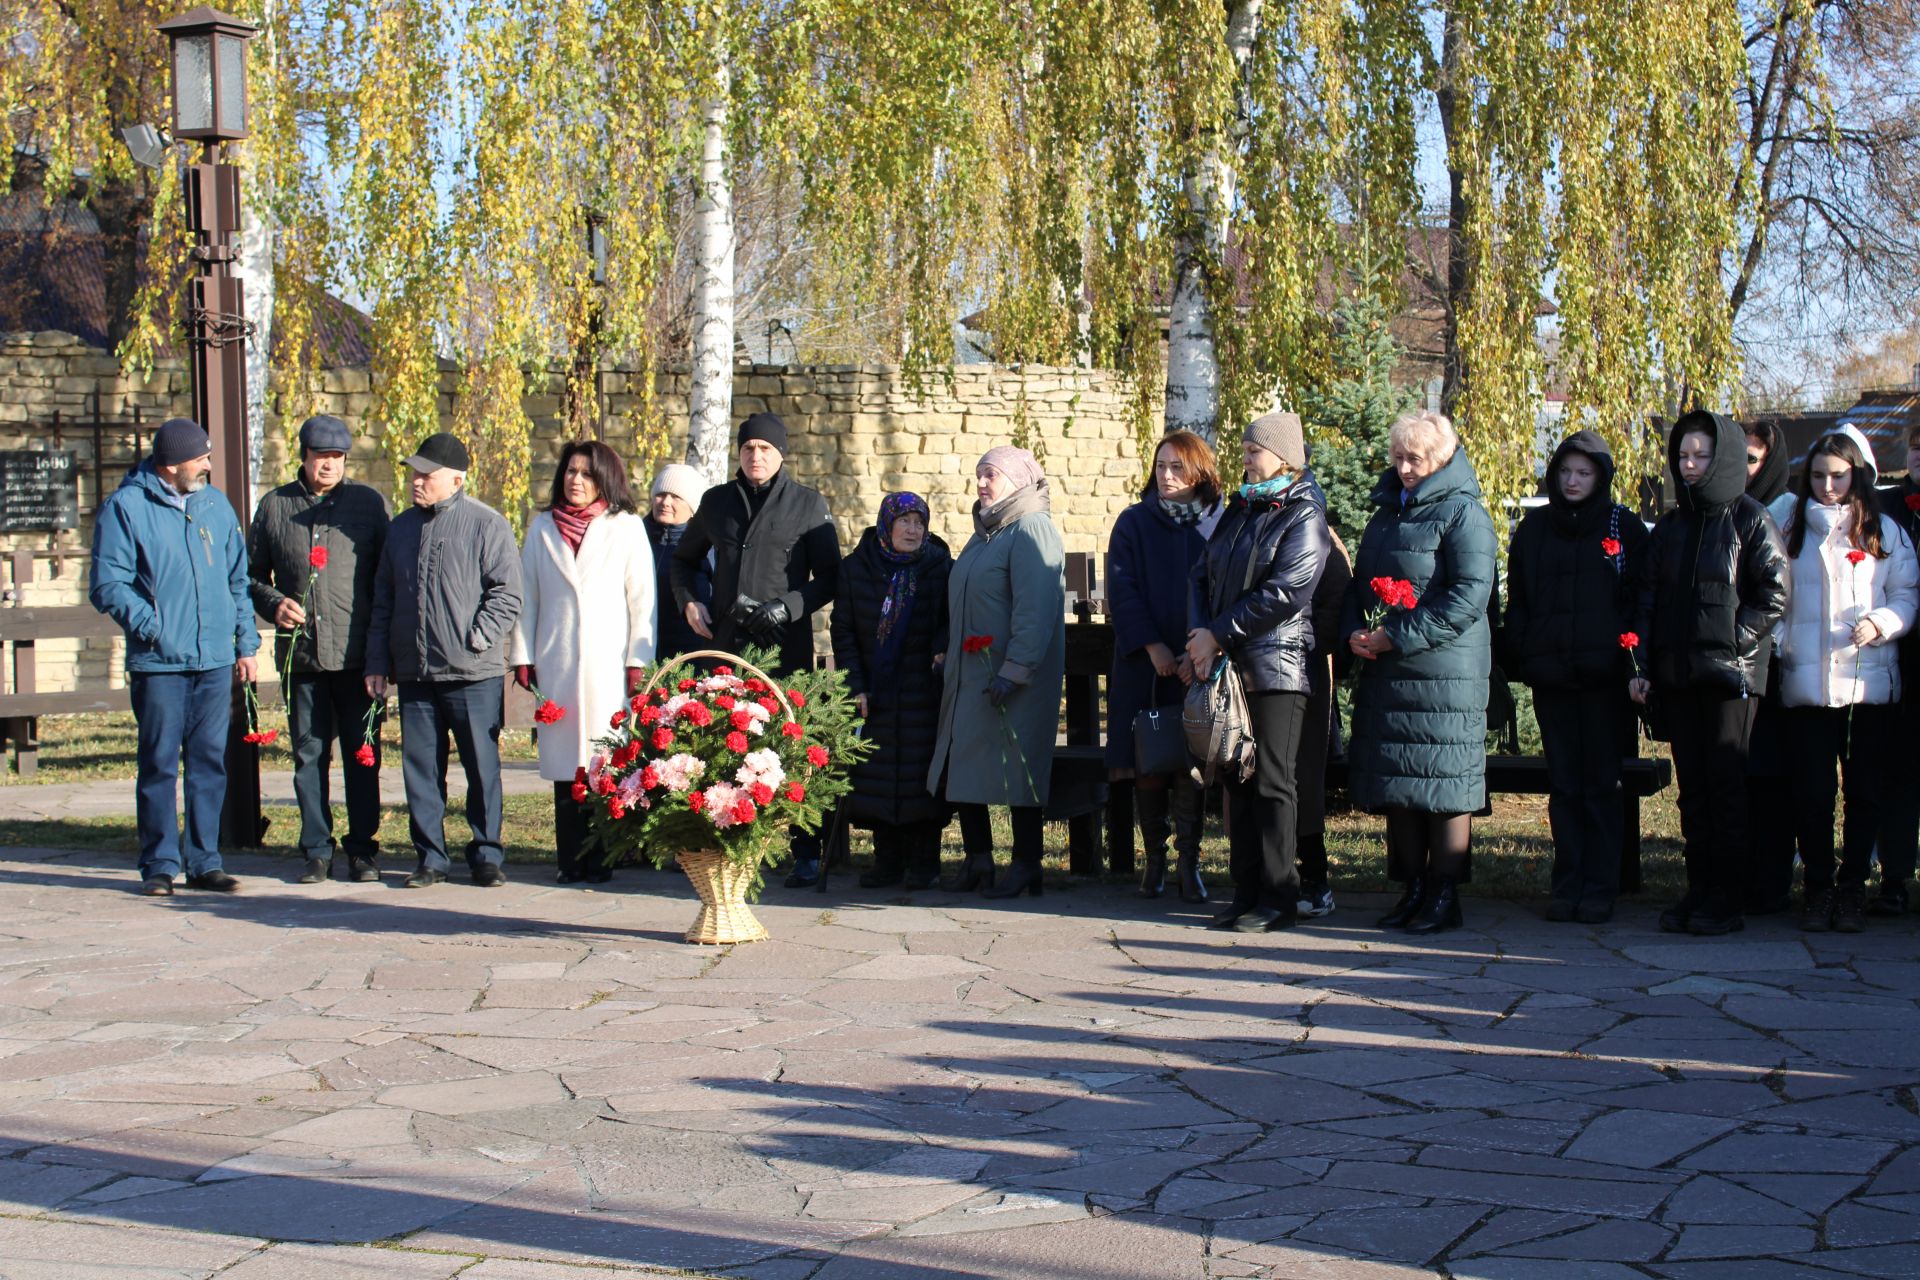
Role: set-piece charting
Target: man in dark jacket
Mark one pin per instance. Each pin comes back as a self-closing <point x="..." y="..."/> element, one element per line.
<point x="170" y="566"/>
<point x="313" y="551"/>
<point x="776" y="562"/>
<point x="1715" y="587"/>
<point x="444" y="603"/>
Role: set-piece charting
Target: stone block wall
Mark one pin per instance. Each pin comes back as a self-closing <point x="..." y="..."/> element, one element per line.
<point x="857" y="433"/>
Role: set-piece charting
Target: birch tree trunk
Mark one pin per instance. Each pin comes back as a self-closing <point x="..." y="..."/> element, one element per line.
<point x="254" y="266"/>
<point x="1193" y="364"/>
<point x="710" y="433"/>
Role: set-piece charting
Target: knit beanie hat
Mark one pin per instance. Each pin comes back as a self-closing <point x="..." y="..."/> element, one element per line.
<point x="767" y="427"/>
<point x="682" y="481"/>
<point x="1280" y="435"/>
<point x="180" y="440"/>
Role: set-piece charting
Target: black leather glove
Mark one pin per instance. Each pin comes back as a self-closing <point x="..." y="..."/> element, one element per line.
<point x="1000" y="689"/>
<point x="741" y="614"/>
<point x="768" y="619"/>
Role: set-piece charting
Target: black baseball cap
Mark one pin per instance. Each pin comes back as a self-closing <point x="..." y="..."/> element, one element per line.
<point x="439" y="450"/>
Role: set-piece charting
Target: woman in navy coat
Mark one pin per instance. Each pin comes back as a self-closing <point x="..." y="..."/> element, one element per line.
<point x="1150" y="555"/>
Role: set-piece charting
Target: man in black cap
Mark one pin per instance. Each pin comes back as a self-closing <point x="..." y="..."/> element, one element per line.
<point x="445" y="599"/>
<point x="776" y="562"/>
<point x="314" y="547"/>
<point x="170" y="566"/>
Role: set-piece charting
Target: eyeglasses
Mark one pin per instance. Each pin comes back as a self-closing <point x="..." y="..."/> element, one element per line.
<point x="1755" y="459"/>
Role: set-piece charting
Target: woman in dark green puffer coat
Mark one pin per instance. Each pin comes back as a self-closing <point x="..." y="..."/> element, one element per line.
<point x="1419" y="738"/>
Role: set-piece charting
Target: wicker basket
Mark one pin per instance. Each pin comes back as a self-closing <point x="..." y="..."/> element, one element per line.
<point x="722" y="885"/>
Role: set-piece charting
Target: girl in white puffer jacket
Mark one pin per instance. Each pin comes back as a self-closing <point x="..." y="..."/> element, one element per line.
<point x="1854" y="591"/>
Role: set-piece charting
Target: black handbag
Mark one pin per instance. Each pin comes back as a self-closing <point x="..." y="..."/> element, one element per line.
<point x="1159" y="741"/>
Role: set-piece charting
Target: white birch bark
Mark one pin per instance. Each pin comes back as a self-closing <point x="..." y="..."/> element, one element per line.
<point x="254" y="265"/>
<point x="1193" y="364"/>
<point x="710" y="431"/>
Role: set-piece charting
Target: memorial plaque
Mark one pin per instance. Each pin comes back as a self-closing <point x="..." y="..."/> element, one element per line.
<point x="37" y="491"/>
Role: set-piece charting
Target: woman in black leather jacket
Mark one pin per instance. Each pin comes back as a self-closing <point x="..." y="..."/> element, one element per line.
<point x="1253" y="597"/>
<point x="1716" y="585"/>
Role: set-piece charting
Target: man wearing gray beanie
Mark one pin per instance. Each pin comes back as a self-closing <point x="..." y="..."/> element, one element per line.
<point x="170" y="566"/>
<point x="320" y="614"/>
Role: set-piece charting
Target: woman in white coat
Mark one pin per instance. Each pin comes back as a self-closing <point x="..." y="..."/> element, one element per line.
<point x="585" y="630"/>
<point x="1853" y="592"/>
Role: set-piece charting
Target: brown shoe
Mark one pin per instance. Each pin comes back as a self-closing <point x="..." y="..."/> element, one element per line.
<point x="157" y="886"/>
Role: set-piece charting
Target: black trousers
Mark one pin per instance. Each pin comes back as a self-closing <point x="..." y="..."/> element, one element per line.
<point x="323" y="708"/>
<point x="576" y="851"/>
<point x="907" y="844"/>
<point x="1263" y="811"/>
<point x="1029" y="832"/>
<point x="1710" y="731"/>
<point x="1859" y="740"/>
<point x="1770" y="824"/>
<point x="1584" y="732"/>
<point x="1899" y="832"/>
<point x="469" y="710"/>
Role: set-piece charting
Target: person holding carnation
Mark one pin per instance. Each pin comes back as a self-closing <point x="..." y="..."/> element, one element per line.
<point x="1854" y="577"/>
<point x="1006" y="666"/>
<point x="1252" y="600"/>
<point x="1715" y="587"/>
<point x="890" y="638"/>
<point x="1416" y="622"/>
<point x="1151" y="553"/>
<point x="1572" y="584"/>
<point x="586" y="629"/>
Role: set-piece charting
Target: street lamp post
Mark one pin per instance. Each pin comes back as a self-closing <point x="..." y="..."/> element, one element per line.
<point x="209" y="60"/>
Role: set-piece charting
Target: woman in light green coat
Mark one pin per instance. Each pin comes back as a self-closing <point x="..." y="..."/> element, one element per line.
<point x="1006" y="665"/>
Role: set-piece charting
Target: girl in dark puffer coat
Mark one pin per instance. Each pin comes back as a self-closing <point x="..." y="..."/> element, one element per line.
<point x="1572" y="585"/>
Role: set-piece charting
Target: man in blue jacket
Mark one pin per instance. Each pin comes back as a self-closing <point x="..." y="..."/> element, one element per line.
<point x="170" y="566"/>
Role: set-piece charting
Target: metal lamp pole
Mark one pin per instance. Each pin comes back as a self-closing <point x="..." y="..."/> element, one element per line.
<point x="209" y="60"/>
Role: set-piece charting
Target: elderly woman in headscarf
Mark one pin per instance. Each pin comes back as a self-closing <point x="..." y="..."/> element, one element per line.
<point x="890" y="638"/>
<point x="1006" y="666"/>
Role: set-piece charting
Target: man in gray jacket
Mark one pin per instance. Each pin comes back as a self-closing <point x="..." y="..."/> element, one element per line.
<point x="313" y="550"/>
<point x="444" y="603"/>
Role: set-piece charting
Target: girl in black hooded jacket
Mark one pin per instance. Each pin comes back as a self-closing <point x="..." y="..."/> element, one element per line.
<point x="1715" y="588"/>
<point x="1572" y="585"/>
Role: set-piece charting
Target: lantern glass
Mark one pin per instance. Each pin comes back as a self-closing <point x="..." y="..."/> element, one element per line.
<point x="232" y="52"/>
<point x="597" y="246"/>
<point x="192" y="83"/>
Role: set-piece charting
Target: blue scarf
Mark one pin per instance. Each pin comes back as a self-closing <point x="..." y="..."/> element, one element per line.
<point x="1268" y="490"/>
<point x="897" y="607"/>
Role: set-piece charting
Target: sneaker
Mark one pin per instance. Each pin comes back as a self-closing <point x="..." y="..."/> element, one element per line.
<point x="1560" y="911"/>
<point x="1676" y="917"/>
<point x="1890" y="901"/>
<point x="425" y="878"/>
<point x="1816" y="913"/>
<point x="318" y="871"/>
<point x="1316" y="900"/>
<point x="1850" y="910"/>
<point x="489" y="876"/>
<point x="157" y="886"/>
<point x="213" y="882"/>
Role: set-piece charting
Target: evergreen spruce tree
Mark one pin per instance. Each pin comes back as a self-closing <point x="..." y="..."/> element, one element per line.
<point x="1348" y="421"/>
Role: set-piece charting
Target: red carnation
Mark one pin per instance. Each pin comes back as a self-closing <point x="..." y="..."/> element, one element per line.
<point x="549" y="712"/>
<point x="662" y="739"/>
<point x="817" y="757"/>
<point x="1855" y="557"/>
<point x="755" y="686"/>
<point x="649" y="715"/>
<point x="579" y="793"/>
<point x="697" y="715"/>
<point x="724" y="702"/>
<point x="697" y="801"/>
<point x="741" y="720"/>
<point x="1611" y="546"/>
<point x="743" y="811"/>
<point x="685" y="685"/>
<point x="799" y="699"/>
<point x="617" y="719"/>
<point x="364" y="756"/>
<point x="649" y="777"/>
<point x="636" y="702"/>
<point x="737" y="742"/>
<point x="604" y="784"/>
<point x="769" y="706"/>
<point x="792" y="729"/>
<point x="616" y="810"/>
<point x="723" y="670"/>
<point x="761" y="793"/>
<point x="580" y="773"/>
<point x="1629" y="640"/>
<point x="796" y="793"/>
<point x="317" y="557"/>
<point x="269" y="736"/>
<point x="976" y="644"/>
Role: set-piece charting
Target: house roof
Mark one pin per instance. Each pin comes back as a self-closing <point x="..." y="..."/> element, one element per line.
<point x="54" y="264"/>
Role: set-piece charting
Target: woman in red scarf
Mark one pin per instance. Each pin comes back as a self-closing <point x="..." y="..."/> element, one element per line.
<point x="586" y="629"/>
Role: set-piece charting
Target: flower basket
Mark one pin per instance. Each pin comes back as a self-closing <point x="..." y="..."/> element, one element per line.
<point x="711" y="770"/>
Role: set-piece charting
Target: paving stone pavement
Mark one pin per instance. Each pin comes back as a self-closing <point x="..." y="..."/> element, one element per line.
<point x="55" y="801"/>
<point x="537" y="1083"/>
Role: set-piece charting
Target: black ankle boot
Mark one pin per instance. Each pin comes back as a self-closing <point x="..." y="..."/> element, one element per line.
<point x="923" y="865"/>
<point x="1150" y="807"/>
<point x="1440" y="911"/>
<point x="1408" y="906"/>
<point x="1022" y="877"/>
<point x="1189" y="824"/>
<point x="976" y="874"/>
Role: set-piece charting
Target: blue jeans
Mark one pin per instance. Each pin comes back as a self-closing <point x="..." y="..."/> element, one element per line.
<point x="183" y="718"/>
<point x="471" y="710"/>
